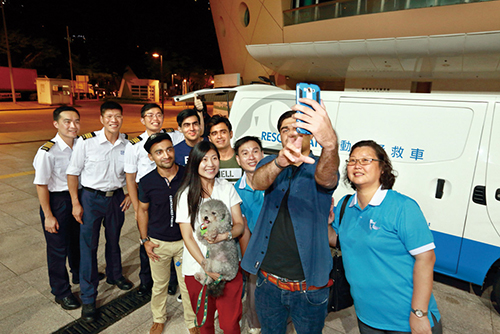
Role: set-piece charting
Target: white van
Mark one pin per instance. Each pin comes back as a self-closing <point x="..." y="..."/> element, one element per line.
<point x="445" y="148"/>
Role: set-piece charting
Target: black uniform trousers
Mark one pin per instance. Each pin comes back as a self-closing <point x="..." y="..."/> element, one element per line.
<point x="61" y="245"/>
<point x="99" y="209"/>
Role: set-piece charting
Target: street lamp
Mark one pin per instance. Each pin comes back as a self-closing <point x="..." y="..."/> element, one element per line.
<point x="158" y="55"/>
<point x="9" y="61"/>
<point x="173" y="75"/>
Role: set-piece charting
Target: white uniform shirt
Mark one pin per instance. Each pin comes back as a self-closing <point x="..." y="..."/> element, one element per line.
<point x="99" y="163"/>
<point x="136" y="157"/>
<point x="50" y="163"/>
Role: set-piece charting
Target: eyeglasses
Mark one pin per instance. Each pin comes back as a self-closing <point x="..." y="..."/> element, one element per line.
<point x="362" y="161"/>
<point x="159" y="116"/>
<point x="113" y="117"/>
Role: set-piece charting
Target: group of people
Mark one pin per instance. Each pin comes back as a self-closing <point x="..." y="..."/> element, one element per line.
<point x="281" y="213"/>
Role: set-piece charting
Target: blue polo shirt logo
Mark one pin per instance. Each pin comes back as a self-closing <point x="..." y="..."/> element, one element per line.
<point x="372" y="225"/>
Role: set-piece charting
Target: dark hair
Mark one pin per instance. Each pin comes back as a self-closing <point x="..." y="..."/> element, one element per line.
<point x="388" y="175"/>
<point x="191" y="179"/>
<point x="110" y="105"/>
<point x="145" y="108"/>
<point x="217" y="119"/>
<point x="285" y="115"/>
<point x="185" y="114"/>
<point x="156" y="138"/>
<point x="245" y="140"/>
<point x="57" y="112"/>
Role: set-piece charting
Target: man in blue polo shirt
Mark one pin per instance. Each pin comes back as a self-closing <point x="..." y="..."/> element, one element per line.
<point x="248" y="154"/>
<point x="160" y="235"/>
<point x="289" y="247"/>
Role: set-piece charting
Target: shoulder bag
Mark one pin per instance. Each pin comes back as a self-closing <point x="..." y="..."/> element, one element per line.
<point x="340" y="292"/>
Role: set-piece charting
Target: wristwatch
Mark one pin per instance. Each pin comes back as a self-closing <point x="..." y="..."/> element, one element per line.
<point x="229" y="236"/>
<point x="419" y="313"/>
<point x="142" y="241"/>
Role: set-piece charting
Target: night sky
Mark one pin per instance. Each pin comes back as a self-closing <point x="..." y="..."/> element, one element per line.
<point x="108" y="35"/>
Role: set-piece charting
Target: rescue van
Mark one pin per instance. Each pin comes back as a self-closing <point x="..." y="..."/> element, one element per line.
<point x="445" y="148"/>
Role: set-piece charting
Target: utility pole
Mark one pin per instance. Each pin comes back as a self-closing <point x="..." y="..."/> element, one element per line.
<point x="9" y="61"/>
<point x="70" y="67"/>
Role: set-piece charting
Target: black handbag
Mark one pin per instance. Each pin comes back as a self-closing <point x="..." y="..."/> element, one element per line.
<point x="340" y="292"/>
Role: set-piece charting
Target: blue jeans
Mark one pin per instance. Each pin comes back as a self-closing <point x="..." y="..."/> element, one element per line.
<point x="308" y="309"/>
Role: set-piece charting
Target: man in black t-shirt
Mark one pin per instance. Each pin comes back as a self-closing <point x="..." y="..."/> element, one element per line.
<point x="160" y="235"/>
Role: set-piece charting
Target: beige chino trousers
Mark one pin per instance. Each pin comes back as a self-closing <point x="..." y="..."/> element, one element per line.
<point x="160" y="272"/>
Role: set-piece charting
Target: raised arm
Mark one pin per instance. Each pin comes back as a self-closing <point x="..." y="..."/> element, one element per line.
<point x="265" y="175"/>
<point x="200" y="108"/>
<point x="319" y="124"/>
<point x="290" y="154"/>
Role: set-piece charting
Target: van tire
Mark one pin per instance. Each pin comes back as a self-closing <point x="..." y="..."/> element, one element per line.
<point x="495" y="292"/>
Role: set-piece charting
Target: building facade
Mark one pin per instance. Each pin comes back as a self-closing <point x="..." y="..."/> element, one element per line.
<point x="374" y="45"/>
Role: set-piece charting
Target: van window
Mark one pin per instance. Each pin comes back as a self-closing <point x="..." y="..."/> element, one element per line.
<point x="409" y="133"/>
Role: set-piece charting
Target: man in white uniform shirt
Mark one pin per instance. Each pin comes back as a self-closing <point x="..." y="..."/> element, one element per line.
<point x="98" y="158"/>
<point x="60" y="228"/>
<point x="138" y="164"/>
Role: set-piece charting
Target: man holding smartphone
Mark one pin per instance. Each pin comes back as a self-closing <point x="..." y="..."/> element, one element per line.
<point x="289" y="248"/>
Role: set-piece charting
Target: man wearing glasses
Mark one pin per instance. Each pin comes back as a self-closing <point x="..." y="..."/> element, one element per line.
<point x="98" y="159"/>
<point x="137" y="164"/>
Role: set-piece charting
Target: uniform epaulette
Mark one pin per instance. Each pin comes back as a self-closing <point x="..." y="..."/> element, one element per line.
<point x="88" y="135"/>
<point x="126" y="135"/>
<point x="167" y="130"/>
<point x="135" y="140"/>
<point x="47" y="146"/>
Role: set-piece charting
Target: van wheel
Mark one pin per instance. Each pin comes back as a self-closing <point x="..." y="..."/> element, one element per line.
<point x="495" y="293"/>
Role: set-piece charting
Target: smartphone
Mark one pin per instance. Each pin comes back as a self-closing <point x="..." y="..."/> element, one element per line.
<point x="310" y="91"/>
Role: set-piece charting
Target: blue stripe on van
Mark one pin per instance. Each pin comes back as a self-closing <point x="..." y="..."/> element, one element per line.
<point x="476" y="258"/>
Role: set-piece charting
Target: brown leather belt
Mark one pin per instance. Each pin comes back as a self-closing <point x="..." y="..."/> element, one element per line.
<point x="291" y="285"/>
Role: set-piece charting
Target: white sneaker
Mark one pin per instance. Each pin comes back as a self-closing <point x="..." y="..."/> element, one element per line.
<point x="254" y="331"/>
<point x="179" y="298"/>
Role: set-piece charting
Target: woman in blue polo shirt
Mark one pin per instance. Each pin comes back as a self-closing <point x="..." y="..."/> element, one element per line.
<point x="388" y="249"/>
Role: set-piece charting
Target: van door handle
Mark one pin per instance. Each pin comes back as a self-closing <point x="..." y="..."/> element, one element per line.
<point x="497" y="195"/>
<point x="440" y="188"/>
